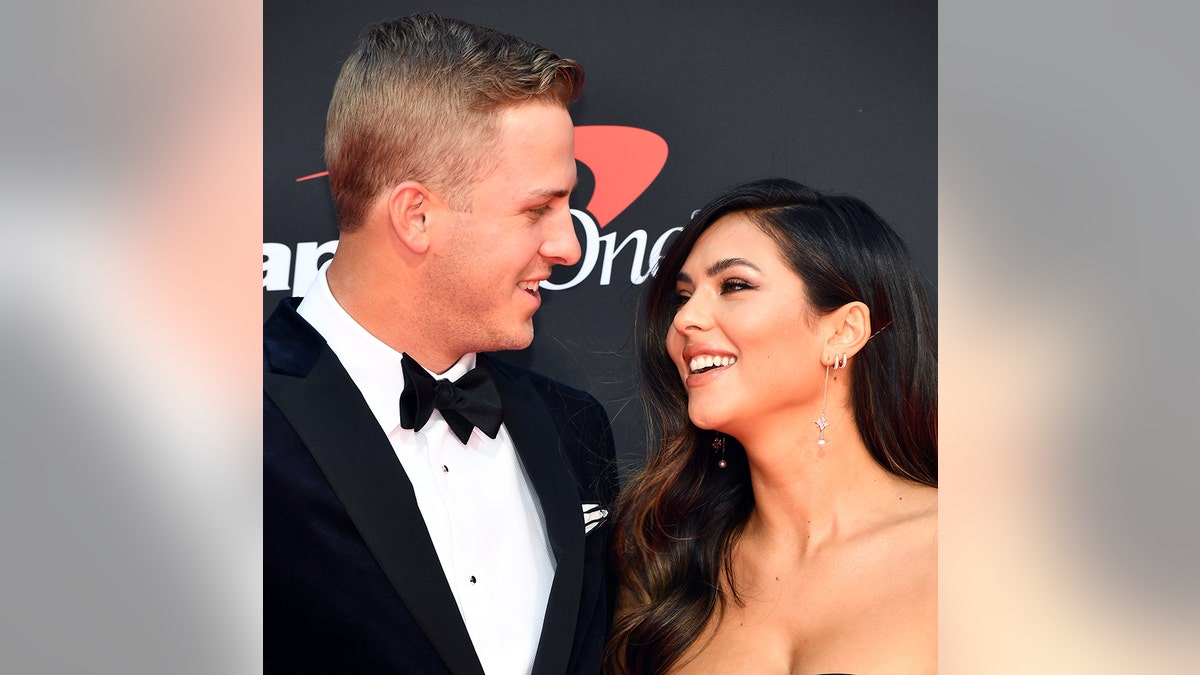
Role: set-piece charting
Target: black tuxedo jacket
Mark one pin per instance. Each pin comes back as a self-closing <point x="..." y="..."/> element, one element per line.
<point x="352" y="583"/>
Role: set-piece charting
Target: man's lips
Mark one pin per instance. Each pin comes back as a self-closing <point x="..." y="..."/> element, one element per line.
<point x="530" y="286"/>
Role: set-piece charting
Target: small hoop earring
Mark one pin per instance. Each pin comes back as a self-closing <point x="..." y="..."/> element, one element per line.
<point x="839" y="363"/>
<point x="719" y="444"/>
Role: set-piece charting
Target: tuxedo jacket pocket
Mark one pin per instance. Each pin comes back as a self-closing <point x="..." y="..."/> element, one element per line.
<point x="593" y="516"/>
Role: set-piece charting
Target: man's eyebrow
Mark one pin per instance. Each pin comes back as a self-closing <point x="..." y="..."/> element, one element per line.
<point x="718" y="267"/>
<point x="544" y="194"/>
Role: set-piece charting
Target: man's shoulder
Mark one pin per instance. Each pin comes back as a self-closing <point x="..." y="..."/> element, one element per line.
<point x="545" y="385"/>
<point x="290" y="344"/>
<point x="581" y="420"/>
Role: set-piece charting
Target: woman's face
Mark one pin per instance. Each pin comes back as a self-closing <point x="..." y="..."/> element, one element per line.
<point x="743" y="339"/>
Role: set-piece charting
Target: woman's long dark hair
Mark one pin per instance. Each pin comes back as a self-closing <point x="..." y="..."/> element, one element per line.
<point x="678" y="518"/>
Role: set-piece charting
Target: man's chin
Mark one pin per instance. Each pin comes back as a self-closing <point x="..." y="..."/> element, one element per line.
<point x="515" y="340"/>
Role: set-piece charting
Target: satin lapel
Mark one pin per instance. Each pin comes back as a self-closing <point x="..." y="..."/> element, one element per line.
<point x="330" y="415"/>
<point x="536" y="439"/>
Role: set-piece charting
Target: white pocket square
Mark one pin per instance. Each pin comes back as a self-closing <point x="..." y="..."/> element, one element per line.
<point x="593" y="515"/>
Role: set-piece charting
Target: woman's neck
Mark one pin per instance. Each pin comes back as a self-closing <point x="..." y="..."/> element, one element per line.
<point x="807" y="495"/>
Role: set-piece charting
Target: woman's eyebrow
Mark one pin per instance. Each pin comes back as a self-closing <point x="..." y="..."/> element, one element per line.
<point x="725" y="263"/>
<point x="718" y="267"/>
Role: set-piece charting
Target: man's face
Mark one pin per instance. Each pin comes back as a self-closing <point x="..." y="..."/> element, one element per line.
<point x="486" y="266"/>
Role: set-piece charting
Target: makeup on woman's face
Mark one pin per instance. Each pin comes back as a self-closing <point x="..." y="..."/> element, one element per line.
<point x="741" y="338"/>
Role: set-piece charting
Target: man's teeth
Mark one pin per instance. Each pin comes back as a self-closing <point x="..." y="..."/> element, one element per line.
<point x="528" y="285"/>
<point x="700" y="364"/>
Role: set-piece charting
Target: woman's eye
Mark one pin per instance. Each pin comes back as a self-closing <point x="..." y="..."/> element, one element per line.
<point x="678" y="299"/>
<point x="732" y="285"/>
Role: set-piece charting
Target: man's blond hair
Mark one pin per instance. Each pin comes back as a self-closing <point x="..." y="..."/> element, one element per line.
<point x="419" y="98"/>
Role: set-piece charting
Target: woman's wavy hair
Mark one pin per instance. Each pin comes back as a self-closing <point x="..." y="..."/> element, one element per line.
<point x="679" y="517"/>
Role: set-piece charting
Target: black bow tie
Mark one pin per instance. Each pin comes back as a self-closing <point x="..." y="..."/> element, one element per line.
<point x="471" y="401"/>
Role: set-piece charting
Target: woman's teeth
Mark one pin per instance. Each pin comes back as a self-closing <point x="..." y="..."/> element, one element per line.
<point x="699" y="364"/>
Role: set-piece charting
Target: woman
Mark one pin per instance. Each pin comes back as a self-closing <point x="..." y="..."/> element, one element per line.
<point x="787" y="520"/>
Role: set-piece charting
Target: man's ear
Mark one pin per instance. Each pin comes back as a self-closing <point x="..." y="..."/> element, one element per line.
<point x="409" y="206"/>
<point x="849" y="328"/>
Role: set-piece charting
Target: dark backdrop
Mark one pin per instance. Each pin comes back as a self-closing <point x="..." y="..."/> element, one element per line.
<point x="840" y="95"/>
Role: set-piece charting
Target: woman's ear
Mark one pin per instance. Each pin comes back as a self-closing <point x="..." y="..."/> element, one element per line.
<point x="849" y="328"/>
<point x="409" y="206"/>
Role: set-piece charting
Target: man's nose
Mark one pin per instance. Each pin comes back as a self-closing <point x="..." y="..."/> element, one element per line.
<point x="561" y="246"/>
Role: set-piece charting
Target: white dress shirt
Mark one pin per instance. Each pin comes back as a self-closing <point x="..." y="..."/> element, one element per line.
<point x="479" y="507"/>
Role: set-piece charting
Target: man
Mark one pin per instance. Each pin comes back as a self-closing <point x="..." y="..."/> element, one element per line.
<point x="411" y="526"/>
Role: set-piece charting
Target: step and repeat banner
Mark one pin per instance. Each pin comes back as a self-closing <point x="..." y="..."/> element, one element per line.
<point x="681" y="101"/>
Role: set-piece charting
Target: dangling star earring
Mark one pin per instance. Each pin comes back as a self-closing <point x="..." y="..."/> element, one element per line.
<point x="821" y="422"/>
<point x="719" y="444"/>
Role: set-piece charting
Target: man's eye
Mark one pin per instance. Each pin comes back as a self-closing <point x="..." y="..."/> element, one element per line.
<point x="540" y="211"/>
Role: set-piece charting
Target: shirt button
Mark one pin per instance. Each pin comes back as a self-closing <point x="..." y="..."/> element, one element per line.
<point x="445" y="469"/>
<point x="472" y="578"/>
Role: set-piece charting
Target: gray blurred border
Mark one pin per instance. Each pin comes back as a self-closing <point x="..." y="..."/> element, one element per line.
<point x="1067" y="165"/>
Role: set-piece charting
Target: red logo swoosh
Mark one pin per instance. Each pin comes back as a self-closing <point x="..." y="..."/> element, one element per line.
<point x="624" y="161"/>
